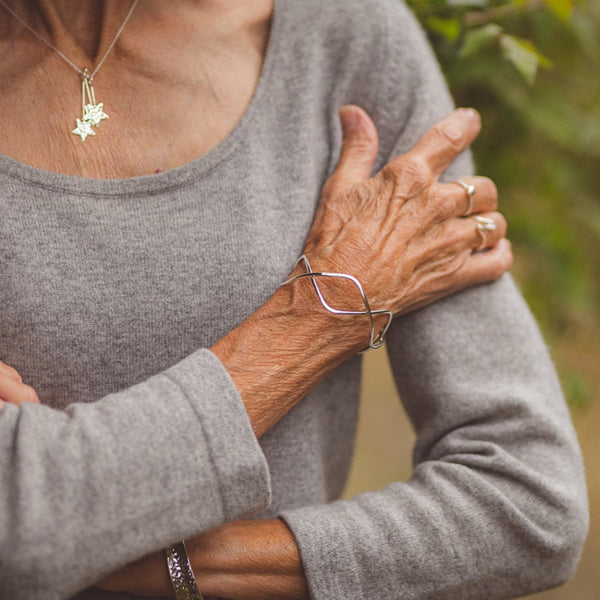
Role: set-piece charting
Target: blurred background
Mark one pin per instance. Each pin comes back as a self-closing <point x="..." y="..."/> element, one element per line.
<point x="532" y="68"/>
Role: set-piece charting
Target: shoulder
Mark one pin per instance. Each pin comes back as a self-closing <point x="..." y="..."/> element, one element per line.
<point x="372" y="53"/>
<point x="353" y="29"/>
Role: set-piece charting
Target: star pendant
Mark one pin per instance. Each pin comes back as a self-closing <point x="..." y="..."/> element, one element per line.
<point x="94" y="113"/>
<point x="83" y="129"/>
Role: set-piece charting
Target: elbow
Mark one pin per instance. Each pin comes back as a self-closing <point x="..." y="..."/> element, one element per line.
<point x="547" y="539"/>
<point x="559" y="520"/>
<point x="561" y="546"/>
<point x="538" y="523"/>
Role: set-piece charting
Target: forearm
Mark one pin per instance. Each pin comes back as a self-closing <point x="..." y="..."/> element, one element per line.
<point x="249" y="560"/>
<point x="285" y="349"/>
<point x="244" y="560"/>
<point x="497" y="499"/>
<point x="101" y="480"/>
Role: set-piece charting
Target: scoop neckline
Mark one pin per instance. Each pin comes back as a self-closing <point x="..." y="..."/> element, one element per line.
<point x="171" y="178"/>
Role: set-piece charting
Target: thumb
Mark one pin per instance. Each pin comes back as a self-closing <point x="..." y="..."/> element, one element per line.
<point x="360" y="144"/>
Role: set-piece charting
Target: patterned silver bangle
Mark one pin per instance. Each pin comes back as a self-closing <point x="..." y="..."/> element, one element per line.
<point x="375" y="339"/>
<point x="181" y="574"/>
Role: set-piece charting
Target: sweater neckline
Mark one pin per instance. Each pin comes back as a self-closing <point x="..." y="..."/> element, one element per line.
<point x="171" y="178"/>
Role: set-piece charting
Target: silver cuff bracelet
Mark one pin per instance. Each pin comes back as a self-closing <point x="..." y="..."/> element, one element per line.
<point x="375" y="340"/>
<point x="181" y="574"/>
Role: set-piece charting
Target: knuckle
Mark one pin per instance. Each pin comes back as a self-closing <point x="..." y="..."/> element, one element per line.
<point x="450" y="134"/>
<point x="357" y="145"/>
<point x="417" y="166"/>
<point x="362" y="194"/>
<point x="490" y="193"/>
<point x="498" y="269"/>
<point x="16" y="374"/>
<point x="389" y="178"/>
<point x="501" y="223"/>
<point x="441" y="204"/>
<point x="29" y="393"/>
<point x="502" y="263"/>
<point x="412" y="172"/>
<point x="508" y="260"/>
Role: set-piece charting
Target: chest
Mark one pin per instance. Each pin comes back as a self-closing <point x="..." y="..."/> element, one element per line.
<point x="103" y="285"/>
<point x="166" y="104"/>
<point x="100" y="292"/>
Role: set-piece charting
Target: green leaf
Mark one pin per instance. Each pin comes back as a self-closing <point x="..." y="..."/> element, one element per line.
<point x="543" y="61"/>
<point x="449" y="28"/>
<point x="521" y="55"/>
<point x="577" y="389"/>
<point x="478" y="38"/>
<point x="561" y="8"/>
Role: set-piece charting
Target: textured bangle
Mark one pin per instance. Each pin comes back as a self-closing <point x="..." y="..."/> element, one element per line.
<point x="181" y="574"/>
<point x="375" y="341"/>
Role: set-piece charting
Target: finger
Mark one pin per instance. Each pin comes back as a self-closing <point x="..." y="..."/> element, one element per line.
<point x="440" y="145"/>
<point x="483" y="196"/>
<point x="483" y="231"/>
<point x="10" y="371"/>
<point x="360" y="144"/>
<point x="453" y="200"/>
<point x="491" y="265"/>
<point x="15" y="392"/>
<point x="461" y="234"/>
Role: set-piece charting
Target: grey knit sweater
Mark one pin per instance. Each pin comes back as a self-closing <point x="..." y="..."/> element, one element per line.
<point x="111" y="291"/>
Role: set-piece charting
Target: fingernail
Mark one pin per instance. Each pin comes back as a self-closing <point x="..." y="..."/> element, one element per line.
<point x="349" y="118"/>
<point x="472" y="114"/>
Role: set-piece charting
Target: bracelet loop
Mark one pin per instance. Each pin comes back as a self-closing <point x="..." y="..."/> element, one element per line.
<point x="375" y="341"/>
<point x="181" y="574"/>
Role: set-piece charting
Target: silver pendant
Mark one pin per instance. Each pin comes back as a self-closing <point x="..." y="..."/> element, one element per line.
<point x="91" y="113"/>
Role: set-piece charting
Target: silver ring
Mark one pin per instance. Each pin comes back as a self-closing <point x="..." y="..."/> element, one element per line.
<point x="470" y="189"/>
<point x="484" y="224"/>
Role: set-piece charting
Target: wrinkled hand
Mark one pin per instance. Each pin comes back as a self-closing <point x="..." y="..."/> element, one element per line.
<point x="401" y="233"/>
<point x="12" y="388"/>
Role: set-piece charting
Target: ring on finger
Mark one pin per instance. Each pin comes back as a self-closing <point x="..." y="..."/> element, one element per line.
<point x="484" y="224"/>
<point x="470" y="190"/>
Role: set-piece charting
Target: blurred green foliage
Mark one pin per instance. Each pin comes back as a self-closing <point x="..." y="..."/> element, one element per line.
<point x="531" y="67"/>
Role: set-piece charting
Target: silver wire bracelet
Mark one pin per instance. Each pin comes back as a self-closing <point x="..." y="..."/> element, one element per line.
<point x="375" y="341"/>
<point x="181" y="574"/>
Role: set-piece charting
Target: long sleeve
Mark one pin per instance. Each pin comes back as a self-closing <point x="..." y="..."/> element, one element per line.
<point x="89" y="489"/>
<point x="106" y="283"/>
<point x="496" y="506"/>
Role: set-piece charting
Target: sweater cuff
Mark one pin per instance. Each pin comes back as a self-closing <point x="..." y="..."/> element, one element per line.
<point x="330" y="568"/>
<point x="238" y="462"/>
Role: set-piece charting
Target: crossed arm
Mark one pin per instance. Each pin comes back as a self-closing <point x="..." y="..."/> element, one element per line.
<point x="262" y="559"/>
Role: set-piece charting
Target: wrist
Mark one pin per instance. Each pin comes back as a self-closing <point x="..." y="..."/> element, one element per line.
<point x="335" y="337"/>
<point x="248" y="560"/>
<point x="348" y="298"/>
<point x="286" y="348"/>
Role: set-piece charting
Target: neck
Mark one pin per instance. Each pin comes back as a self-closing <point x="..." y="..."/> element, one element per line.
<point x="82" y="30"/>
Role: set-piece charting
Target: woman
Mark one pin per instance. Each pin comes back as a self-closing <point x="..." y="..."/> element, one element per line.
<point x="125" y="253"/>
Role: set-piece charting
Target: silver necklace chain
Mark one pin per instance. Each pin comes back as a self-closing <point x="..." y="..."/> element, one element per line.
<point x="92" y="113"/>
<point x="50" y="45"/>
